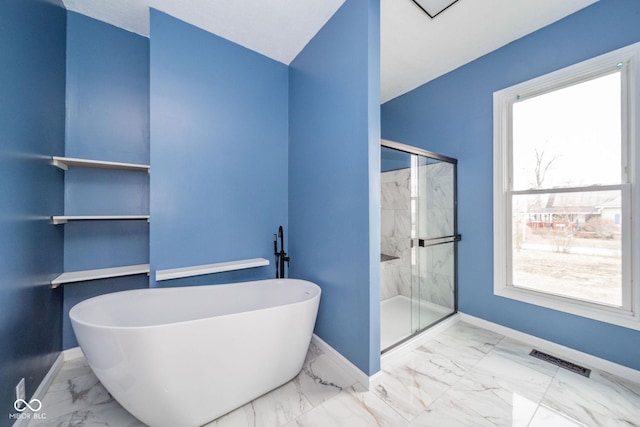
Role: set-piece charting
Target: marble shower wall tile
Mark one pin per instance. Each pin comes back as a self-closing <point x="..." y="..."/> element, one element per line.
<point x="399" y="247"/>
<point x="439" y="223"/>
<point x="437" y="289"/>
<point x="391" y="278"/>
<point x="437" y="274"/>
<point x="387" y="222"/>
<point x="436" y="200"/>
<point x="396" y="233"/>
<point x="395" y="279"/>
<point x="395" y="193"/>
<point x="395" y="175"/>
<point x="434" y="219"/>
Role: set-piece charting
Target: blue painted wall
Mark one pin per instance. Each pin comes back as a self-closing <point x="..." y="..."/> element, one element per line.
<point x="453" y="115"/>
<point x="107" y="119"/>
<point x="32" y="87"/>
<point x="219" y="136"/>
<point x="334" y="178"/>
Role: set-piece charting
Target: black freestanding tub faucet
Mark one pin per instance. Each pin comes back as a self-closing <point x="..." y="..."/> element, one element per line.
<point x="281" y="255"/>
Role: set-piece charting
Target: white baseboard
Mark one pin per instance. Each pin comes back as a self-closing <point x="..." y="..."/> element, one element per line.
<point x="342" y="361"/>
<point x="41" y="390"/>
<point x="72" y="353"/>
<point x="547" y="346"/>
<point x="561" y="351"/>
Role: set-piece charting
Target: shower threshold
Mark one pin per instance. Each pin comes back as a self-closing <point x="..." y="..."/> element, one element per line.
<point x="395" y="319"/>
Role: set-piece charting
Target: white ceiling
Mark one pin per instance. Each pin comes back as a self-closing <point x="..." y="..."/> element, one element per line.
<point x="279" y="29"/>
<point x="414" y="48"/>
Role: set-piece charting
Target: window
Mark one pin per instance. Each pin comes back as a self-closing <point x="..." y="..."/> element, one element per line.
<point x="565" y="196"/>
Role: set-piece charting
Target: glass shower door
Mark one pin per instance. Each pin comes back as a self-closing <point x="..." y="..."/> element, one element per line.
<point x="418" y="235"/>
<point x="435" y="242"/>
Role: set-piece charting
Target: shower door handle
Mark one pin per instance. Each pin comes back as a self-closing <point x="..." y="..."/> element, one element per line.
<point x="423" y="243"/>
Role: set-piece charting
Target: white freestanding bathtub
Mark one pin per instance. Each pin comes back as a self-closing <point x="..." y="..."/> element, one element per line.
<point x="184" y="356"/>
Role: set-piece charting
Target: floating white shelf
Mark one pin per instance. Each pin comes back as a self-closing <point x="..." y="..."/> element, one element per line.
<point x="198" y="270"/>
<point x="101" y="273"/>
<point x="65" y="162"/>
<point x="62" y="219"/>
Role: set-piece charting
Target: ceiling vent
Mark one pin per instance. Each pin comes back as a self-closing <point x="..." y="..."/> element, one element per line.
<point x="434" y="8"/>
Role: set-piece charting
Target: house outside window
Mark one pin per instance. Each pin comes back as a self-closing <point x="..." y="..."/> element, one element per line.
<point x="566" y="193"/>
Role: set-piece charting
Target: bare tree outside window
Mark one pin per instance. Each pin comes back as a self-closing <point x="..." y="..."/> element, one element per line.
<point x="541" y="168"/>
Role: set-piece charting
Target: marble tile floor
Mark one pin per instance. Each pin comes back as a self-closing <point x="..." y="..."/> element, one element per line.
<point x="465" y="376"/>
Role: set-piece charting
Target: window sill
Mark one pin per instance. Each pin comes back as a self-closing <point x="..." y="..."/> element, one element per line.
<point x="612" y="315"/>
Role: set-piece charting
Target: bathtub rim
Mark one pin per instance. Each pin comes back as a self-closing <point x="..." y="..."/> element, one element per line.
<point x="315" y="287"/>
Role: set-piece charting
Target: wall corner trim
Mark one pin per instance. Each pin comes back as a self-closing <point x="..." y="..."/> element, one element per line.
<point x="570" y="354"/>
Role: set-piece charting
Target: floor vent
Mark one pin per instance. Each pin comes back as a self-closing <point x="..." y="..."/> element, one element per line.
<point x="561" y="363"/>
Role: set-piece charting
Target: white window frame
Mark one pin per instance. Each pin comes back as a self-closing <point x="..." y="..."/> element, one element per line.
<point x="627" y="60"/>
